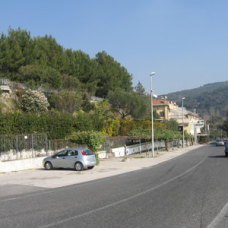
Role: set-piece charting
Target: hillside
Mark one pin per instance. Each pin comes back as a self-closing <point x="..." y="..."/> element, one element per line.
<point x="44" y="76"/>
<point x="42" y="62"/>
<point x="208" y="100"/>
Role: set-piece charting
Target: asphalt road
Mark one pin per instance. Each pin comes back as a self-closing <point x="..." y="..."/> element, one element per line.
<point x="188" y="191"/>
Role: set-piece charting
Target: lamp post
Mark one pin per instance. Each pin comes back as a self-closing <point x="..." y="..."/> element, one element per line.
<point x="183" y="121"/>
<point x="152" y="114"/>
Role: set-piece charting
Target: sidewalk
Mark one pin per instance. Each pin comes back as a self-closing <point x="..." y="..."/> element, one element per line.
<point x="106" y="168"/>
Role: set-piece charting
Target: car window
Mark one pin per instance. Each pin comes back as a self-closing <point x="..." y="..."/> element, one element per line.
<point x="71" y="153"/>
<point x="61" y="153"/>
<point x="88" y="152"/>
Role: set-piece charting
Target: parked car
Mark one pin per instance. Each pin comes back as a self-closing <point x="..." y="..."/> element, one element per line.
<point x="219" y="143"/>
<point x="77" y="159"/>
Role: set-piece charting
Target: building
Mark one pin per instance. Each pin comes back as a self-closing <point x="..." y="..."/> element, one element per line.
<point x="4" y="85"/>
<point x="168" y="110"/>
<point x="162" y="108"/>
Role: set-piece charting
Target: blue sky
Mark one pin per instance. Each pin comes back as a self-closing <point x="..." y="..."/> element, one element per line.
<point x="184" y="42"/>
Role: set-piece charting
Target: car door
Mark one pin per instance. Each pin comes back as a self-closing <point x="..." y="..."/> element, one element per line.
<point x="71" y="158"/>
<point x="59" y="159"/>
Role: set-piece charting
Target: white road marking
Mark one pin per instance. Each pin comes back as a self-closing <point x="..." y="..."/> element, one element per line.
<point x="9" y="199"/>
<point x="123" y="200"/>
<point x="220" y="216"/>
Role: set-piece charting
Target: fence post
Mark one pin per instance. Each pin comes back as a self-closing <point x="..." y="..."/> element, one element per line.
<point x="140" y="146"/>
<point x="32" y="146"/>
<point x="125" y="150"/>
<point x="17" y="150"/>
<point x="46" y="144"/>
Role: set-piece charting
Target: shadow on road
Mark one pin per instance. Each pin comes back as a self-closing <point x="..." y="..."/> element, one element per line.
<point x="217" y="156"/>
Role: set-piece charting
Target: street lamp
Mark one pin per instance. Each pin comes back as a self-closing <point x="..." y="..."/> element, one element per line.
<point x="152" y="115"/>
<point x="183" y="121"/>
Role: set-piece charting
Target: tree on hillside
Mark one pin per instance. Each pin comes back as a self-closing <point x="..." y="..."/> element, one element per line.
<point x="139" y="89"/>
<point x="66" y="101"/>
<point x="42" y="61"/>
<point x="129" y="104"/>
<point x="111" y="75"/>
<point x="37" y="75"/>
<point x="46" y="51"/>
<point x="15" y="50"/>
<point x="71" y="83"/>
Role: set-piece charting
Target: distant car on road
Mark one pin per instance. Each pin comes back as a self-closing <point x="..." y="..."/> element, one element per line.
<point x="219" y="143"/>
<point x="77" y="159"/>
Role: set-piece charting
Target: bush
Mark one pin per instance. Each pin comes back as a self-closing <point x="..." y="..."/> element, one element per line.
<point x="56" y="125"/>
<point x="91" y="138"/>
<point x="33" y="101"/>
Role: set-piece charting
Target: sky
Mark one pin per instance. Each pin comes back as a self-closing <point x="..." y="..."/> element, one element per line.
<point x="184" y="42"/>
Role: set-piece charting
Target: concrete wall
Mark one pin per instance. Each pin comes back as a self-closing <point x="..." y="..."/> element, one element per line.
<point x="122" y="151"/>
<point x="24" y="154"/>
<point x="32" y="163"/>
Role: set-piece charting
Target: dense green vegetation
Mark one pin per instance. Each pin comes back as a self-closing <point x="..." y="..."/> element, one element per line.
<point x="41" y="61"/>
<point x="56" y="86"/>
<point x="90" y="138"/>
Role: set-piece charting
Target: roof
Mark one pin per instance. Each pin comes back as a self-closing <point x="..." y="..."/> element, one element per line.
<point x="160" y="102"/>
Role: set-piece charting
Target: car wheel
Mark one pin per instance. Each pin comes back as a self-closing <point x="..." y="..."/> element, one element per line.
<point x="48" y="166"/>
<point x="91" y="167"/>
<point x="78" y="166"/>
<point x="226" y="154"/>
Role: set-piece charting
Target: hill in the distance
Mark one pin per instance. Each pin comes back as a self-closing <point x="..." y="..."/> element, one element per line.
<point x="209" y="100"/>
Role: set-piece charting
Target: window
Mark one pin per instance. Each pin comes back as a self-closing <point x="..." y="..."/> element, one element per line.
<point x="88" y="152"/>
<point x="162" y="114"/>
<point x="61" y="153"/>
<point x="72" y="152"/>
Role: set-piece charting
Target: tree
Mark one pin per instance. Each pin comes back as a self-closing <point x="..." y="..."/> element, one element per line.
<point x="15" y="50"/>
<point x="171" y="125"/>
<point x="46" y="51"/>
<point x="139" y="89"/>
<point x="111" y="75"/>
<point x="71" y="83"/>
<point x="128" y="104"/>
<point x="65" y="101"/>
<point x="37" y="75"/>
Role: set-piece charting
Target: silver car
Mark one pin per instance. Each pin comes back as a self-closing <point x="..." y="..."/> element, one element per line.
<point x="219" y="143"/>
<point x="77" y="159"/>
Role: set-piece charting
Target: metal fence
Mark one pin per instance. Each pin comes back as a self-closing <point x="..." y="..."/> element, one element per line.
<point x="13" y="147"/>
<point x="19" y="143"/>
<point x="57" y="144"/>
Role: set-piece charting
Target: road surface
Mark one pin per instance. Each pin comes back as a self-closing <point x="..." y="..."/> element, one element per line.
<point x="188" y="191"/>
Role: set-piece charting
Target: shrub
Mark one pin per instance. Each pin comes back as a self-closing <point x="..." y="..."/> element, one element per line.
<point x="33" y="101"/>
<point x="91" y="138"/>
